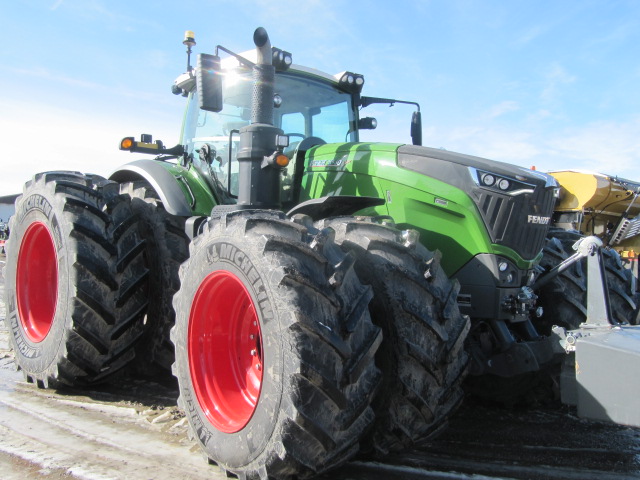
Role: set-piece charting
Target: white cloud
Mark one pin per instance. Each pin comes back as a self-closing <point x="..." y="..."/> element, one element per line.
<point x="43" y="73"/>
<point x="606" y="147"/>
<point x="105" y="13"/>
<point x="500" y="144"/>
<point x="555" y="79"/>
<point x="45" y="78"/>
<point x="59" y="139"/>
<point x="530" y="34"/>
<point x="539" y="115"/>
<point x="503" y="108"/>
<point x="610" y="39"/>
<point x="609" y="147"/>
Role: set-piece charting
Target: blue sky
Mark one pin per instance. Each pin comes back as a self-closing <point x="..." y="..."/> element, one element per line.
<point x="547" y="83"/>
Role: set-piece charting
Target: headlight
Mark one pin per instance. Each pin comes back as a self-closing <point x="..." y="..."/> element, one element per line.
<point x="488" y="179"/>
<point x="507" y="272"/>
<point x="352" y="82"/>
<point x="503" y="184"/>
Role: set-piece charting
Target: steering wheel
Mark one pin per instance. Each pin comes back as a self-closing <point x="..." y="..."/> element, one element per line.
<point x="306" y="143"/>
<point x="293" y="146"/>
<point x="295" y="135"/>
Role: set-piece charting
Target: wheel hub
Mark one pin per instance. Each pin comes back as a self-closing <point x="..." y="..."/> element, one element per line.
<point x="37" y="282"/>
<point x="225" y="351"/>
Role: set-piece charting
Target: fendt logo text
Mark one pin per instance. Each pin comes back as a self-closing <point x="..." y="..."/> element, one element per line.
<point x="537" y="219"/>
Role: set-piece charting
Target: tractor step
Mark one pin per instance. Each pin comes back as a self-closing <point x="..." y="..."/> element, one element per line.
<point x="601" y="381"/>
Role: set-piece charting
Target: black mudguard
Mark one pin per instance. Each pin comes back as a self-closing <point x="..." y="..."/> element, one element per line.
<point x="333" y="206"/>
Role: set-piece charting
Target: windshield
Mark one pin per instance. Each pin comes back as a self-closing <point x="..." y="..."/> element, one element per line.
<point x="309" y="108"/>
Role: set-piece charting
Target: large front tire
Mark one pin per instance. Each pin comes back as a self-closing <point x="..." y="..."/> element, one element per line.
<point x="415" y="304"/>
<point x="274" y="347"/>
<point x="75" y="280"/>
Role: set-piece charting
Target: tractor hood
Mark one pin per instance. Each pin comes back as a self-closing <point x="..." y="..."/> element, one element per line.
<point x="462" y="171"/>
<point x="514" y="203"/>
<point x="454" y="167"/>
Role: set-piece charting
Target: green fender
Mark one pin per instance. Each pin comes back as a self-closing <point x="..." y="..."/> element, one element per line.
<point x="183" y="191"/>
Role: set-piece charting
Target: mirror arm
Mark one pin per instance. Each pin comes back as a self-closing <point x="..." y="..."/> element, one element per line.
<point x="242" y="60"/>
<point x="366" y="101"/>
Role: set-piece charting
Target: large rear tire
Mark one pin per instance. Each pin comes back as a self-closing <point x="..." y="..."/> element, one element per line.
<point x="564" y="299"/>
<point x="166" y="248"/>
<point x="75" y="280"/>
<point x="274" y="347"/>
<point x="415" y="304"/>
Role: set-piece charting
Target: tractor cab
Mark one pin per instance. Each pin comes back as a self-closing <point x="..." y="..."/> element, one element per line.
<point x="310" y="108"/>
<point x="306" y="108"/>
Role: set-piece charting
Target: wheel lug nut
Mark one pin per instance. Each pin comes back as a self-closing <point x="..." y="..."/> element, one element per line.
<point x="259" y="367"/>
<point x="253" y="353"/>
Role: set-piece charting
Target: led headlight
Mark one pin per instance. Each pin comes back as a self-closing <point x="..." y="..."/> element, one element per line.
<point x="352" y="82"/>
<point x="488" y="179"/>
<point x="503" y="184"/>
<point x="281" y="59"/>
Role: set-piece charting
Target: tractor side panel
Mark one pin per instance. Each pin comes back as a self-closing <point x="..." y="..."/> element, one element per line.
<point x="343" y="169"/>
<point x="450" y="226"/>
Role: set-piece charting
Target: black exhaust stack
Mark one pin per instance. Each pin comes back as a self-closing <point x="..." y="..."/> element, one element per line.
<point x="259" y="178"/>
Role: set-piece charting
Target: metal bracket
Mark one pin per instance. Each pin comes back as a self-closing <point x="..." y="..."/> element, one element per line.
<point x="598" y="304"/>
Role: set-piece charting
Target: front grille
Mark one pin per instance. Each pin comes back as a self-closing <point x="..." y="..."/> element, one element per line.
<point x="507" y="218"/>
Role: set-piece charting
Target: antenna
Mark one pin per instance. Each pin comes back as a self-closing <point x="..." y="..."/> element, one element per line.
<point x="189" y="41"/>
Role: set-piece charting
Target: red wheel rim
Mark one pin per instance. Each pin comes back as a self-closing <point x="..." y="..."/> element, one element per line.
<point x="225" y="351"/>
<point x="37" y="282"/>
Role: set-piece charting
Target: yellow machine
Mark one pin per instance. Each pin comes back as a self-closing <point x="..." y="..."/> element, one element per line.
<point x="608" y="207"/>
<point x="601" y="205"/>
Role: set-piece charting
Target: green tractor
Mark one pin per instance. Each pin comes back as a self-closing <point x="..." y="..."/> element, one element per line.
<point x="299" y="333"/>
<point x="489" y="220"/>
<point x="315" y="296"/>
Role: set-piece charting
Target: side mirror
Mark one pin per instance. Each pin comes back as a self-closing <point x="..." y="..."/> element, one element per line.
<point x="416" y="128"/>
<point x="209" y="82"/>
